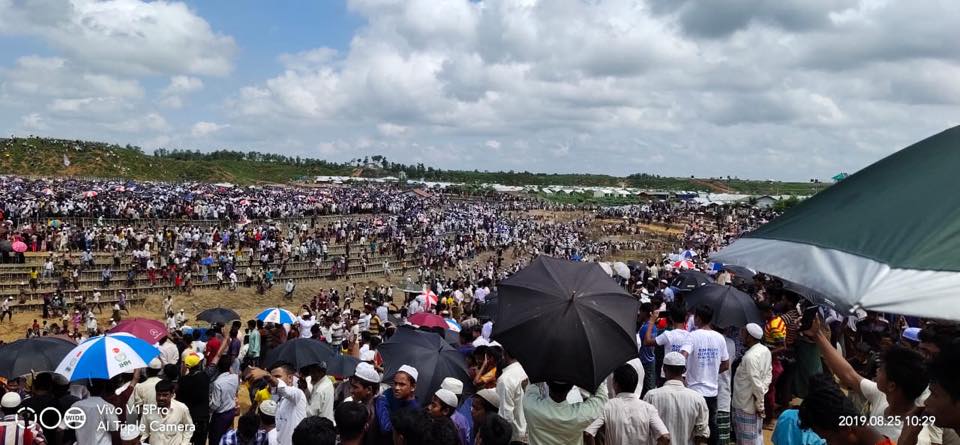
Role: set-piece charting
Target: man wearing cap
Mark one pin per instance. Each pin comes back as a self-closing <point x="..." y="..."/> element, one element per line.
<point x="194" y="391"/>
<point x="267" y="412"/>
<point x="403" y="396"/>
<point x="145" y="392"/>
<point x="461" y="416"/>
<point x="321" y="395"/>
<point x="364" y="385"/>
<point x="10" y="427"/>
<point x="444" y="404"/>
<point x="683" y="410"/>
<point x="750" y="385"/>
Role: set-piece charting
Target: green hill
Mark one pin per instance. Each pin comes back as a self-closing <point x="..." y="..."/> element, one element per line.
<point x="45" y="157"/>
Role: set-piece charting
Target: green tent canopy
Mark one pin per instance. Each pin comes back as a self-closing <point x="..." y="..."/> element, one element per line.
<point x="886" y="238"/>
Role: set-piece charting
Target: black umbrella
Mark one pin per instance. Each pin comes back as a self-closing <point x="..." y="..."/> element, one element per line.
<point x="739" y="271"/>
<point x="731" y="307"/>
<point x="37" y="354"/>
<point x="689" y="280"/>
<point x="566" y="321"/>
<point x="300" y="353"/>
<point x="638" y="265"/>
<point x="810" y="294"/>
<point x="342" y="365"/>
<point x="430" y="354"/>
<point x="218" y="315"/>
<point x="488" y="309"/>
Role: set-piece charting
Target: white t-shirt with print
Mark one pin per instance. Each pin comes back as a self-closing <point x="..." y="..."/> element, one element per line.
<point x="706" y="349"/>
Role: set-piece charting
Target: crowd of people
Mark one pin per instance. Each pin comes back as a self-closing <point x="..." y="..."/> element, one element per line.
<point x="692" y="381"/>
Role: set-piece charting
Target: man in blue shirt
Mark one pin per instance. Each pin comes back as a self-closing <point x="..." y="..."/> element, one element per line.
<point x="648" y="356"/>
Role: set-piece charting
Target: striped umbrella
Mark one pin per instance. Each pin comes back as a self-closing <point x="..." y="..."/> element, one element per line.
<point x="684" y="264"/>
<point x="106" y="356"/>
<point x="276" y="315"/>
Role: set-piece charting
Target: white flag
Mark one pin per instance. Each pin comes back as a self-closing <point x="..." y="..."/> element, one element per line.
<point x="66" y="161"/>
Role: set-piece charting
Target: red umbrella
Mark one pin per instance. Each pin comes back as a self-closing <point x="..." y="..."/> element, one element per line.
<point x="145" y="329"/>
<point x="19" y="246"/>
<point x="428" y="320"/>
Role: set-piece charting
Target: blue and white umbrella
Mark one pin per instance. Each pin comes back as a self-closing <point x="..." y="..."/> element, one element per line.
<point x="106" y="356"/>
<point x="452" y="325"/>
<point x="276" y="315"/>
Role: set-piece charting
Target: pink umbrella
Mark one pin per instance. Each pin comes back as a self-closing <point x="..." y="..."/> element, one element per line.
<point x="428" y="320"/>
<point x="89" y="194"/>
<point x="150" y="331"/>
<point x="430" y="298"/>
<point x="684" y="264"/>
<point x="19" y="246"/>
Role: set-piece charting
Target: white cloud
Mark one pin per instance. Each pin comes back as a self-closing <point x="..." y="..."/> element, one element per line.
<point x="586" y="86"/>
<point x="126" y="36"/>
<point x="32" y="121"/>
<point x="152" y="122"/>
<point x="391" y="130"/>
<point x="203" y="129"/>
<point x="183" y="85"/>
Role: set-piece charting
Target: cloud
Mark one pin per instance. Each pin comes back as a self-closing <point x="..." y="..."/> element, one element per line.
<point x="125" y="36"/>
<point x="620" y="86"/>
<point x="32" y="121"/>
<point x="204" y="129"/>
<point x="789" y="89"/>
<point x="391" y="130"/>
<point x="179" y="86"/>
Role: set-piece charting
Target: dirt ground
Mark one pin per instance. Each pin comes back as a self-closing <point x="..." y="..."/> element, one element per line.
<point x="245" y="301"/>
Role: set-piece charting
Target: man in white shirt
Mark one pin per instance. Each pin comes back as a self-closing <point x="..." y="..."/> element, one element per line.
<point x="292" y="402"/>
<point x="321" y="394"/>
<point x="306" y="322"/>
<point x="169" y="354"/>
<point x="102" y="425"/>
<point x="145" y="392"/>
<point x="510" y="391"/>
<point x="627" y="419"/>
<point x="169" y="422"/>
<point x="671" y="340"/>
<point x="707" y="356"/>
<point x="750" y="386"/>
<point x="683" y="410"/>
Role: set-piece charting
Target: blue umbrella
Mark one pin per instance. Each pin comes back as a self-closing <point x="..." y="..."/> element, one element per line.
<point x="276" y="315"/>
<point x="106" y="356"/>
<point x="206" y="261"/>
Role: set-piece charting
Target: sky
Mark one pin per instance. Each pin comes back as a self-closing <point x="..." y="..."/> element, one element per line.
<point x="786" y="89"/>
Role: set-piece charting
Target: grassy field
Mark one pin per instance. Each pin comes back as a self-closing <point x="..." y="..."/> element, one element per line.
<point x="44" y="157"/>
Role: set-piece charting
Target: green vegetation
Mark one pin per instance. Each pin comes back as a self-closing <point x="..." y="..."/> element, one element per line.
<point x="44" y="157"/>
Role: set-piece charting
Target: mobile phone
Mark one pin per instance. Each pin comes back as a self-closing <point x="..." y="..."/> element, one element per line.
<point x="809" y="314"/>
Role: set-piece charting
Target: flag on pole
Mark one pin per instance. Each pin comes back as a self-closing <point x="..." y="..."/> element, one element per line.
<point x="66" y="161"/>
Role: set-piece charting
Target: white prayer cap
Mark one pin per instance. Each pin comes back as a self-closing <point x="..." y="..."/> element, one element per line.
<point x="366" y="372"/>
<point x="755" y="330"/>
<point x="447" y="397"/>
<point x="490" y="395"/>
<point x="156" y="364"/>
<point x="409" y="370"/>
<point x="268" y="407"/>
<point x="674" y="358"/>
<point x="368" y="355"/>
<point x="453" y="385"/>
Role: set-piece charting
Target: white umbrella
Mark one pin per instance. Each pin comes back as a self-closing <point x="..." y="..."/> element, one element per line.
<point x="621" y="269"/>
